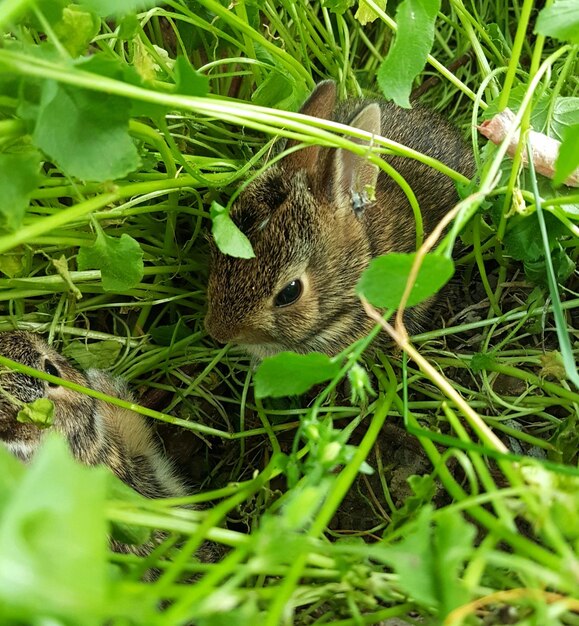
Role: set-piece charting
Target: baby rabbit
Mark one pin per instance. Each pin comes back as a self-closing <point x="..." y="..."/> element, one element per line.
<point x="96" y="431"/>
<point x="314" y="230"/>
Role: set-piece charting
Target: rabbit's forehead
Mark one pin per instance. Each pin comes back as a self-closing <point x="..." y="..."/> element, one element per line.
<point x="31" y="350"/>
<point x="274" y="206"/>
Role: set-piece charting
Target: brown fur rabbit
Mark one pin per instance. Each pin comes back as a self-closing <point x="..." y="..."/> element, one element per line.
<point x="314" y="231"/>
<point x="96" y="431"/>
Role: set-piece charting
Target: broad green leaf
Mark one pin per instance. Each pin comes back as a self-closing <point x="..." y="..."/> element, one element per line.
<point x="280" y="89"/>
<point x="423" y="490"/>
<point x="103" y="65"/>
<point x="51" y="12"/>
<point x="366" y="14"/>
<point x="188" y="81"/>
<point x="412" y="560"/>
<point x="523" y="237"/>
<point x="169" y="334"/>
<point x="429" y="560"/>
<point x="11" y="265"/>
<point x="114" y="8"/>
<point x="120" y="260"/>
<point x="303" y="504"/>
<point x="338" y="6"/>
<point x="40" y="413"/>
<point x="19" y="177"/>
<point x="497" y="37"/>
<point x="53" y="541"/>
<point x="99" y="354"/>
<point x="290" y="374"/>
<point x="481" y="361"/>
<point x="563" y="266"/>
<point x="552" y="366"/>
<point x="565" y="116"/>
<point x="11" y="472"/>
<point x="560" y="20"/>
<point x="557" y="495"/>
<point x="128" y="27"/>
<point x="125" y="532"/>
<point x="539" y="113"/>
<point x="246" y="612"/>
<point x="144" y="62"/>
<point x="276" y="88"/>
<point x="568" y="159"/>
<point x="453" y="539"/>
<point x="85" y="132"/>
<point x="76" y="29"/>
<point x="407" y="55"/>
<point x="229" y="239"/>
<point x="384" y="281"/>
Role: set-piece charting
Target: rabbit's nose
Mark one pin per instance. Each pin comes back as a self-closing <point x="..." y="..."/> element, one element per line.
<point x="220" y="332"/>
<point x="226" y="332"/>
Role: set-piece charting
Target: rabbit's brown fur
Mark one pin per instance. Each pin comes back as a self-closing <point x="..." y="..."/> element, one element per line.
<point x="304" y="219"/>
<point x="97" y="432"/>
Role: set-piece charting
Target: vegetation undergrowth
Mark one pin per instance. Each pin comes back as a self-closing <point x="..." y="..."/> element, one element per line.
<point x="436" y="483"/>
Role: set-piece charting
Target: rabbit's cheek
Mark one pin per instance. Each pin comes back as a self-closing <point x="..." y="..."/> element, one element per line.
<point x="22" y="440"/>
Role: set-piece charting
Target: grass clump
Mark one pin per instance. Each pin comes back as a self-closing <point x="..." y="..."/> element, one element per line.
<point x="445" y="489"/>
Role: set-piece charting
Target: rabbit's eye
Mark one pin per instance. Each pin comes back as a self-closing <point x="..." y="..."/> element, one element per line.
<point x="289" y="294"/>
<point x="50" y="368"/>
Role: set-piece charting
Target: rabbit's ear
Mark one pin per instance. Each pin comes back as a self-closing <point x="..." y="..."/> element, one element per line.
<point x="321" y="103"/>
<point x="352" y="177"/>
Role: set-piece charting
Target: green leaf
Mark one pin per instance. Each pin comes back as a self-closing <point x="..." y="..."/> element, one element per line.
<point x="428" y="561"/>
<point x="125" y="532"/>
<point x="412" y="560"/>
<point x="288" y="374"/>
<point x="40" y="413"/>
<point x="481" y="361"/>
<point x="12" y="265"/>
<point x="568" y="158"/>
<point x="407" y="55"/>
<point x="523" y="238"/>
<point x="423" y="490"/>
<point x="563" y="266"/>
<point x="76" y="29"/>
<point x="19" y="177"/>
<point x="276" y="88"/>
<point x="496" y="35"/>
<point x="170" y="334"/>
<point x="366" y="14"/>
<point x="560" y="20"/>
<point x="53" y="541"/>
<point x="338" y="6"/>
<point x="85" y="132"/>
<point x="453" y="539"/>
<point x="11" y="473"/>
<point x="51" y="11"/>
<point x="188" y="81"/>
<point x="565" y="116"/>
<point x="229" y="239"/>
<point x="120" y="261"/>
<point x="99" y="354"/>
<point x="114" y="8"/>
<point x="360" y="385"/>
<point x="303" y="504"/>
<point x="384" y="281"/>
<point x="244" y="613"/>
<point x="541" y="106"/>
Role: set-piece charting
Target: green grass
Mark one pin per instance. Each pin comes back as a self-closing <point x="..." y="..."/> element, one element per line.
<point x="489" y="525"/>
